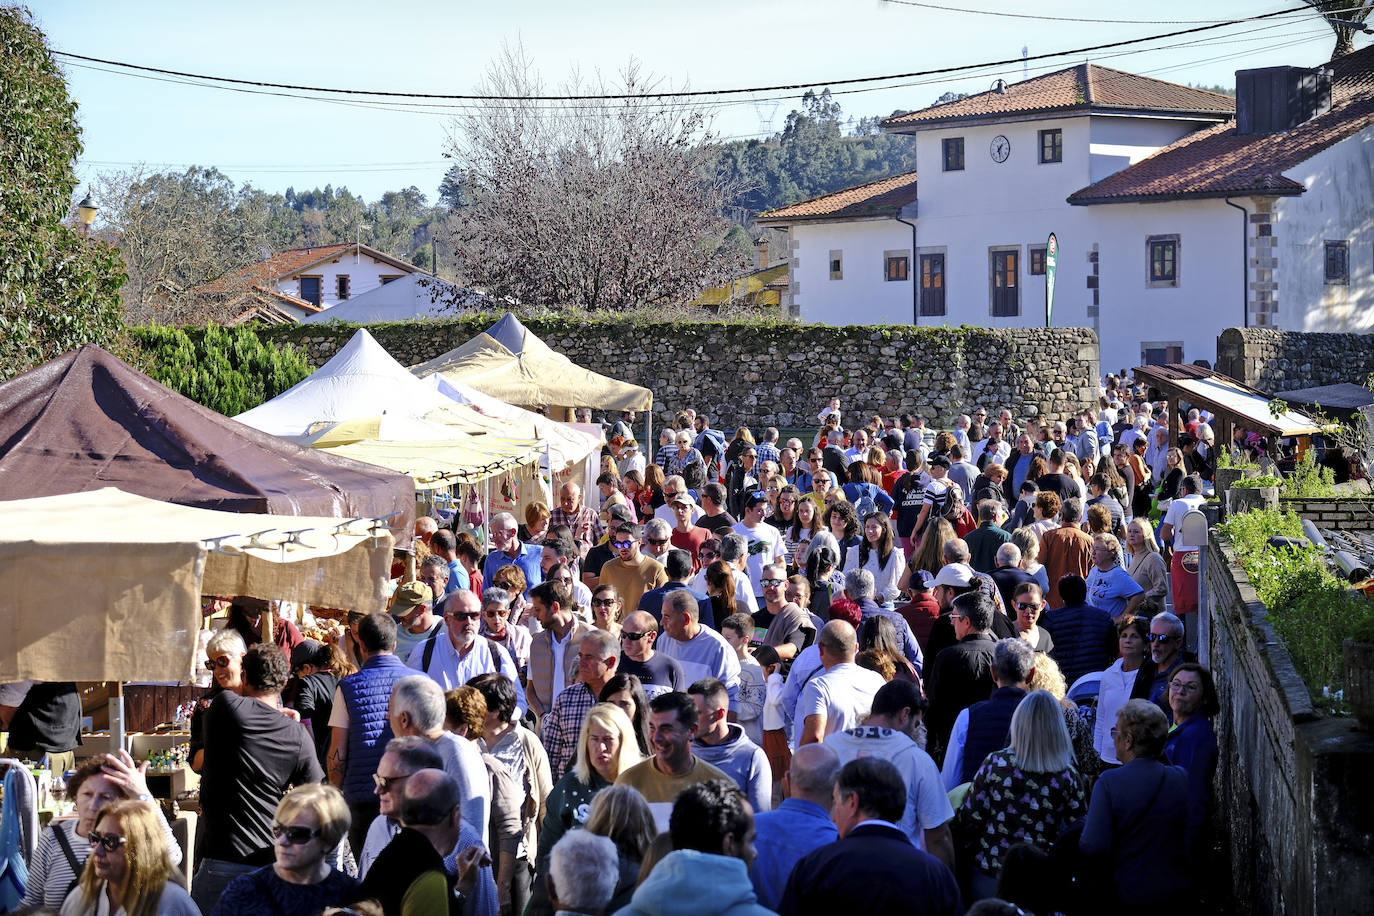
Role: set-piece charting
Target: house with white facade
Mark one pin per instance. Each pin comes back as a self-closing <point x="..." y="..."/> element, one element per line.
<point x="1175" y="215"/>
<point x="322" y="277"/>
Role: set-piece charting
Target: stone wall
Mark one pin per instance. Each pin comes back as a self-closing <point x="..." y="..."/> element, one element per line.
<point x="1341" y="512"/>
<point x="1293" y="787"/>
<point x="1286" y="360"/>
<point x="782" y="373"/>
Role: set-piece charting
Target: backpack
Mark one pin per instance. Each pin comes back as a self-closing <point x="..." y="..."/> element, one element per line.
<point x="492" y="646"/>
<point x="953" y="509"/>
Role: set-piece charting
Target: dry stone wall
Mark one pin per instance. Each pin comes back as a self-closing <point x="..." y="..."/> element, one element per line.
<point x="1286" y="360"/>
<point x="782" y="373"/>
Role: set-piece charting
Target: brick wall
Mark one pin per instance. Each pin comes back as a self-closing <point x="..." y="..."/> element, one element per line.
<point x="1293" y="787"/>
<point x="1340" y="512"/>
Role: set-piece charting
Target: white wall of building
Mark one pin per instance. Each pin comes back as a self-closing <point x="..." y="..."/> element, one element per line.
<point x="1337" y="206"/>
<point x="862" y="295"/>
<point x="1207" y="299"/>
<point x="363" y="271"/>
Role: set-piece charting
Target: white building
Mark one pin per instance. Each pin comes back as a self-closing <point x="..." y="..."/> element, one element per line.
<point x="1172" y="221"/>
<point x="323" y="276"/>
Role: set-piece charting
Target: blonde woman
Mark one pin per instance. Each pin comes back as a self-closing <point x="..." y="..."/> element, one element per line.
<point x="129" y="871"/>
<point x="1047" y="676"/>
<point x="606" y="747"/>
<point x="1146" y="566"/>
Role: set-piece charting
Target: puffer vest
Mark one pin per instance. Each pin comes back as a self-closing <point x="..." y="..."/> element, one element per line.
<point x="366" y="695"/>
<point x="989" y="728"/>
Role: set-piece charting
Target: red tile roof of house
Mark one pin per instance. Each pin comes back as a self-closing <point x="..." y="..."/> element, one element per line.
<point x="1081" y="88"/>
<point x="271" y="269"/>
<point x="884" y="197"/>
<point x="1218" y="162"/>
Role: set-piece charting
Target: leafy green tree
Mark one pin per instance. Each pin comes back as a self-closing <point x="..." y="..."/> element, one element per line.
<point x="228" y="369"/>
<point x="57" y="289"/>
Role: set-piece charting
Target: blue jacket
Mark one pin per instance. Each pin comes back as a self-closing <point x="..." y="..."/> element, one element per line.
<point x="1136" y="828"/>
<point x="651" y="602"/>
<point x="784" y="835"/>
<point x="1084" y="639"/>
<point x="690" y="883"/>
<point x="366" y="695"/>
<point x="989" y="728"/>
<point x="1193" y="746"/>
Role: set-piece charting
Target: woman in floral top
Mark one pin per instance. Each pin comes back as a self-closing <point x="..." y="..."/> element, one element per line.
<point x="1029" y="792"/>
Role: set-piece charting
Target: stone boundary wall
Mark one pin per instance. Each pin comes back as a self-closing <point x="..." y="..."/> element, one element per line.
<point x="1356" y="512"/>
<point x="1292" y="787"/>
<point x="1285" y="360"/>
<point x="782" y="373"/>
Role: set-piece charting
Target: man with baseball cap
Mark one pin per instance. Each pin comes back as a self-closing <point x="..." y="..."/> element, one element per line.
<point x="765" y="541"/>
<point x="412" y="607"/>
<point x="686" y="535"/>
<point x="937" y="495"/>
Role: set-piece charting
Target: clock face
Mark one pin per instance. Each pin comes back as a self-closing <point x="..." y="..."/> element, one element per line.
<point x="1000" y="149"/>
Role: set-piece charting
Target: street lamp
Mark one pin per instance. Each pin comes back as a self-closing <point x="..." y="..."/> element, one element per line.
<point x="85" y="212"/>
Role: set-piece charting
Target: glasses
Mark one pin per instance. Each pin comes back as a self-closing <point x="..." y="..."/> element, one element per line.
<point x="1027" y="606"/>
<point x="224" y="661"/>
<point x="1184" y="686"/>
<point x="566" y="580"/>
<point x="957" y="616"/>
<point x="668" y="496"/>
<point x="384" y="783"/>
<point x="707" y="554"/>
<point x="108" y="841"/>
<point x="1157" y="637"/>
<point x="657" y="542"/>
<point x="294" y="836"/>
<point x="604" y="602"/>
<point x="622" y="545"/>
<point x="463" y="615"/>
<point x="496" y="612"/>
<point x="767" y="582"/>
<point x="751" y="454"/>
<point x="632" y="637"/>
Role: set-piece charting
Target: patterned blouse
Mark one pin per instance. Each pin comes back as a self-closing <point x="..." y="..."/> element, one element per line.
<point x="1007" y="805"/>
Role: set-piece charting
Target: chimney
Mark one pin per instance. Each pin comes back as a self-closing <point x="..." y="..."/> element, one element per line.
<point x="1274" y="99"/>
<point x="761" y="251"/>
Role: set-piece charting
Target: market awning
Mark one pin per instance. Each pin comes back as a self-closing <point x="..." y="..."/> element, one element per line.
<point x="106" y="585"/>
<point x="439" y="464"/>
<point x="1235" y="402"/>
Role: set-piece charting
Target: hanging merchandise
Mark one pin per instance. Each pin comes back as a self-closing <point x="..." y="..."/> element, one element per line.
<point x="474" y="515"/>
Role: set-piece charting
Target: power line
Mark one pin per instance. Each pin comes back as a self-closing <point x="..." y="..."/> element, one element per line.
<point x="1037" y="16"/>
<point x="679" y="94"/>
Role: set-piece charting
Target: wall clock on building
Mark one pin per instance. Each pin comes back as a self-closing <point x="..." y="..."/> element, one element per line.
<point x="1000" y="148"/>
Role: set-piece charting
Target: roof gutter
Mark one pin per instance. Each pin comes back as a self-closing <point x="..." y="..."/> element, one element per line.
<point x="1244" y="257"/>
<point x="913" y="270"/>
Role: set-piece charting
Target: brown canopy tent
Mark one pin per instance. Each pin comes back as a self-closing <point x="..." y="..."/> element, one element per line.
<point x="86" y="420"/>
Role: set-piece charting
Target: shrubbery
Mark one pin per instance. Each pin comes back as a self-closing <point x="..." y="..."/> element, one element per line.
<point x="228" y="369"/>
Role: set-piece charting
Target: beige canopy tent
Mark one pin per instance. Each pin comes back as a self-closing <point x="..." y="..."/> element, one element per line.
<point x="106" y="585"/>
<point x="508" y="362"/>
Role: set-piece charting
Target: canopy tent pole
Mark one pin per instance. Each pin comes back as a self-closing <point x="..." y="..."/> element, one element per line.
<point x="116" y="715"/>
<point x="649" y="434"/>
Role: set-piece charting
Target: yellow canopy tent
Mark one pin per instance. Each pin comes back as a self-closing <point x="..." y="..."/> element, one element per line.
<point x="508" y="362"/>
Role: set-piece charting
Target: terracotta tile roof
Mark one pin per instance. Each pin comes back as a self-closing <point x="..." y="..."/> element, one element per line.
<point x="271" y="269"/>
<point x="1084" y="87"/>
<point x="884" y="197"/>
<point x="1217" y="161"/>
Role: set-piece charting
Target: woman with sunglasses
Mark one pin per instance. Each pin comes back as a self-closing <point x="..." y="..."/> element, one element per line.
<point x="497" y="626"/>
<point x="224" y="658"/>
<point x="310" y="822"/>
<point x="128" y="870"/>
<point x="65" y="846"/>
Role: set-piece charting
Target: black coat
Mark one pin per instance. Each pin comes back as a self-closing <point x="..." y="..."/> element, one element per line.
<point x="876" y="871"/>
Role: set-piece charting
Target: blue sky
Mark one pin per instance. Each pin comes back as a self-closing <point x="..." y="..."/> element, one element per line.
<point x="444" y="47"/>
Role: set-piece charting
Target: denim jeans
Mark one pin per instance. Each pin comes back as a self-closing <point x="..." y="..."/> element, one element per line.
<point x="211" y="878"/>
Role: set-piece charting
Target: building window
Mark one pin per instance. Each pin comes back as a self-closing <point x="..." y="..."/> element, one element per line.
<point x="310" y="289"/>
<point x="341" y="283"/>
<point x="1160" y="352"/>
<point x="1052" y="145"/>
<point x="1037" y="260"/>
<point x="932" y="285"/>
<point x="1337" y="263"/>
<point x="1006" y="291"/>
<point x="896" y="266"/>
<point x="837" y="265"/>
<point x="386" y="280"/>
<point x="954" y="154"/>
<point x="1163" y="254"/>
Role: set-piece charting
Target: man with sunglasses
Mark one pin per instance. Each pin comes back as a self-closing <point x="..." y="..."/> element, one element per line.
<point x="456" y="656"/>
<point x="403" y="757"/>
<point x="657" y="539"/>
<point x="1166" y="650"/>
<point x="253" y="754"/>
<point x="657" y="672"/>
<point x="631" y="572"/>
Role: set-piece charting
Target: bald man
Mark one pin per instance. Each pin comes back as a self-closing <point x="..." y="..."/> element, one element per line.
<point x="842" y="696"/>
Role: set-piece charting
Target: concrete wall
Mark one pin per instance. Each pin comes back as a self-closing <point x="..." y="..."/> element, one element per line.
<point x="1335" y="207"/>
<point x="782" y="374"/>
<point x="1285" y="360"/>
<point x="1293" y="787"/>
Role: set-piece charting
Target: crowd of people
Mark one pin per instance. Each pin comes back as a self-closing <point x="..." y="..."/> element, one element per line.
<point x="890" y="668"/>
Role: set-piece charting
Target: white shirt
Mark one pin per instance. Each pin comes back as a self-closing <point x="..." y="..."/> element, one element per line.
<point x="744" y="592"/>
<point x="451" y="671"/>
<point x="1112" y="693"/>
<point x="773" y="550"/>
<point x="843" y="694"/>
<point x="560" y="670"/>
<point x="927" y="802"/>
<point x="1177" y="510"/>
<point x="885" y="579"/>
